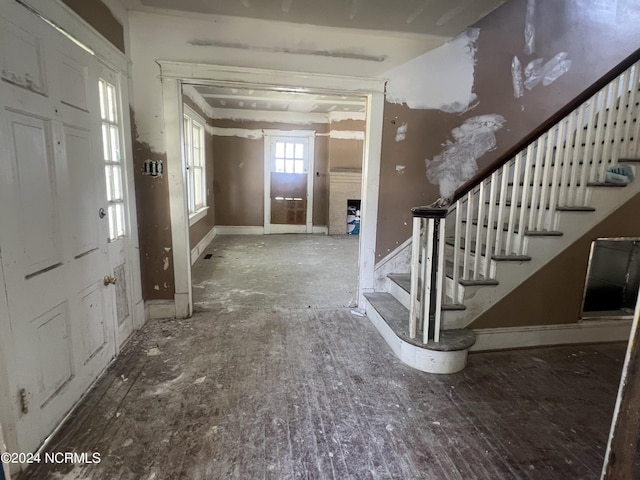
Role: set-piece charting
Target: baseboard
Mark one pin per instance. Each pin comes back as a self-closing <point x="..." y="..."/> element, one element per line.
<point x="232" y="230"/>
<point x="160" y="309"/>
<point x="590" y="331"/>
<point x="202" y="245"/>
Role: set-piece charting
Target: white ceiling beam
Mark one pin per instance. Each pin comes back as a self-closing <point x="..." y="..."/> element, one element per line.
<point x="251" y="98"/>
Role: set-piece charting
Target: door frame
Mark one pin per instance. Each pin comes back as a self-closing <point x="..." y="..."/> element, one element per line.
<point x="310" y="135"/>
<point x="174" y="74"/>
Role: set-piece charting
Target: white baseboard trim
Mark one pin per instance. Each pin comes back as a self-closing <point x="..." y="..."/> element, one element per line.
<point x="202" y="245"/>
<point x="160" y="309"/>
<point x="231" y="230"/>
<point x="591" y="331"/>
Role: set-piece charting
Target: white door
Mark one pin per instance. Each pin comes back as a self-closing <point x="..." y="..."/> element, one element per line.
<point x="116" y="211"/>
<point x="53" y="243"/>
<point x="288" y="187"/>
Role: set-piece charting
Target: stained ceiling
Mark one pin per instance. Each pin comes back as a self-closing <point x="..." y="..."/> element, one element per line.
<point x="434" y="17"/>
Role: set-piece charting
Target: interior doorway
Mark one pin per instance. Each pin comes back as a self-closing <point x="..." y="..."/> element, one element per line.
<point x="176" y="75"/>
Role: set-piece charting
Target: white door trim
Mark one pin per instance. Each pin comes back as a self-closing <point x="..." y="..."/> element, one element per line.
<point x="173" y="74"/>
<point x="310" y="135"/>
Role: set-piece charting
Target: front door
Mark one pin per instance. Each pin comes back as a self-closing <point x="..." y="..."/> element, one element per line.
<point x="54" y="223"/>
<point x="289" y="182"/>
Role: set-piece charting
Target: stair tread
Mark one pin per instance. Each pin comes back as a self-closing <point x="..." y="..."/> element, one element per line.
<point x="403" y="280"/>
<point x="448" y="267"/>
<point x="559" y="208"/>
<point x="397" y="317"/>
<point x="606" y="184"/>
<point x="516" y="229"/>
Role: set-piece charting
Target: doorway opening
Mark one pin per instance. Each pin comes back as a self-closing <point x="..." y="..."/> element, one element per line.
<point x="613" y="278"/>
<point x="177" y="75"/>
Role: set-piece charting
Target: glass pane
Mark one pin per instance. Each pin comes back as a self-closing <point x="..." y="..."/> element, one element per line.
<point x="279" y="149"/>
<point x="279" y="165"/>
<point x="117" y="183"/>
<point x="197" y="135"/>
<point x="299" y="166"/>
<point x="112" y="222"/>
<point x="289" y="150"/>
<point x="199" y="194"/>
<point x="197" y="157"/>
<point x="107" y="176"/>
<point x="120" y="230"/>
<point x="115" y="144"/>
<point x="105" y="142"/>
<point x="111" y="103"/>
<point x="289" y="166"/>
<point x="299" y="150"/>
<point x="103" y="100"/>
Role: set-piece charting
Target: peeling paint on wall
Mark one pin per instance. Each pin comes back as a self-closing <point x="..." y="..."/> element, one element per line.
<point x="547" y="73"/>
<point x="457" y="163"/>
<point x="343" y="135"/>
<point x="400" y="169"/>
<point x="401" y="133"/>
<point x="252" y="134"/>
<point x="530" y="28"/>
<point x="165" y="262"/>
<point x="516" y="75"/>
<point x="441" y="79"/>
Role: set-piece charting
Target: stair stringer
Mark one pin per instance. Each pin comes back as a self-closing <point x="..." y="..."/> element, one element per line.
<point x="542" y="250"/>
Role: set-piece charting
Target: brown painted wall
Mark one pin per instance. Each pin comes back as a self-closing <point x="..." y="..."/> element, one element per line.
<point x="154" y="230"/>
<point x="98" y="15"/>
<point x="239" y="174"/>
<point x="198" y="230"/>
<point x="554" y="294"/>
<point x="594" y="42"/>
<point x="346" y="153"/>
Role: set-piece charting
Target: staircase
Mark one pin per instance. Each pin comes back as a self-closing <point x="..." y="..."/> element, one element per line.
<point x="469" y="252"/>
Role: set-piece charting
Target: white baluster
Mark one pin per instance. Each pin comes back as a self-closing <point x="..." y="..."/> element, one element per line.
<point x="466" y="264"/>
<point x="524" y="202"/>
<point x="479" y="230"/>
<point x="491" y="217"/>
<point x="439" y="282"/>
<point x="537" y="178"/>
<point x="566" y="138"/>
<point x="457" y="246"/>
<point x="504" y="196"/>
<point x="428" y="280"/>
<point x="415" y="272"/>
<point x="575" y="183"/>
<point x="508" y="247"/>
<point x="546" y="177"/>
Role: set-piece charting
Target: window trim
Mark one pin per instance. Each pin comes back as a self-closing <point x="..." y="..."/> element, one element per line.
<point x="194" y="117"/>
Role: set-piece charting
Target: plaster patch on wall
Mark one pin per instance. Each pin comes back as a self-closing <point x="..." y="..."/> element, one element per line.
<point x="440" y="79"/>
<point x="457" y="163"/>
<point x="345" y="54"/>
<point x="536" y="71"/>
<point x="341" y="116"/>
<point x="400" y="169"/>
<point x="516" y="75"/>
<point x="165" y="262"/>
<point x="344" y="135"/>
<point x="252" y="134"/>
<point x="401" y="133"/>
<point x="530" y="29"/>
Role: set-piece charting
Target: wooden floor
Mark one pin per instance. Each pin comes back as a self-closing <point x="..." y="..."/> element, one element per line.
<point x="281" y="391"/>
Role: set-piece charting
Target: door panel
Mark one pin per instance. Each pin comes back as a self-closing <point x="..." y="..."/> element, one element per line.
<point x="34" y="171"/>
<point x="53" y="245"/>
<point x="82" y="181"/>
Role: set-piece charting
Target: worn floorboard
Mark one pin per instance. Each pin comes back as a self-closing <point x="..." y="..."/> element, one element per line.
<point x="275" y="378"/>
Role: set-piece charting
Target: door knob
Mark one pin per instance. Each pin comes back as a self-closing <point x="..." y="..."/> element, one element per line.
<point x="109" y="280"/>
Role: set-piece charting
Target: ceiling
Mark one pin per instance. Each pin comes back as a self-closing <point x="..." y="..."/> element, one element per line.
<point x="278" y="101"/>
<point x="434" y="17"/>
<point x="440" y="19"/>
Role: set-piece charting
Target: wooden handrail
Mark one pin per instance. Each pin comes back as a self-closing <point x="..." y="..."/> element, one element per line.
<point x="545" y="126"/>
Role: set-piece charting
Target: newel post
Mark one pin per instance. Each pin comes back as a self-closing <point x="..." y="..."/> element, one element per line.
<point x="427" y="272"/>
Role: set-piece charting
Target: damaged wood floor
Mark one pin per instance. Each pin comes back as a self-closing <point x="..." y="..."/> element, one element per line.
<point x="288" y="386"/>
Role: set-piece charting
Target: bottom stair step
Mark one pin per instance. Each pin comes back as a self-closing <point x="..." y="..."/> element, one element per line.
<point x="397" y="317"/>
<point x="403" y="280"/>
